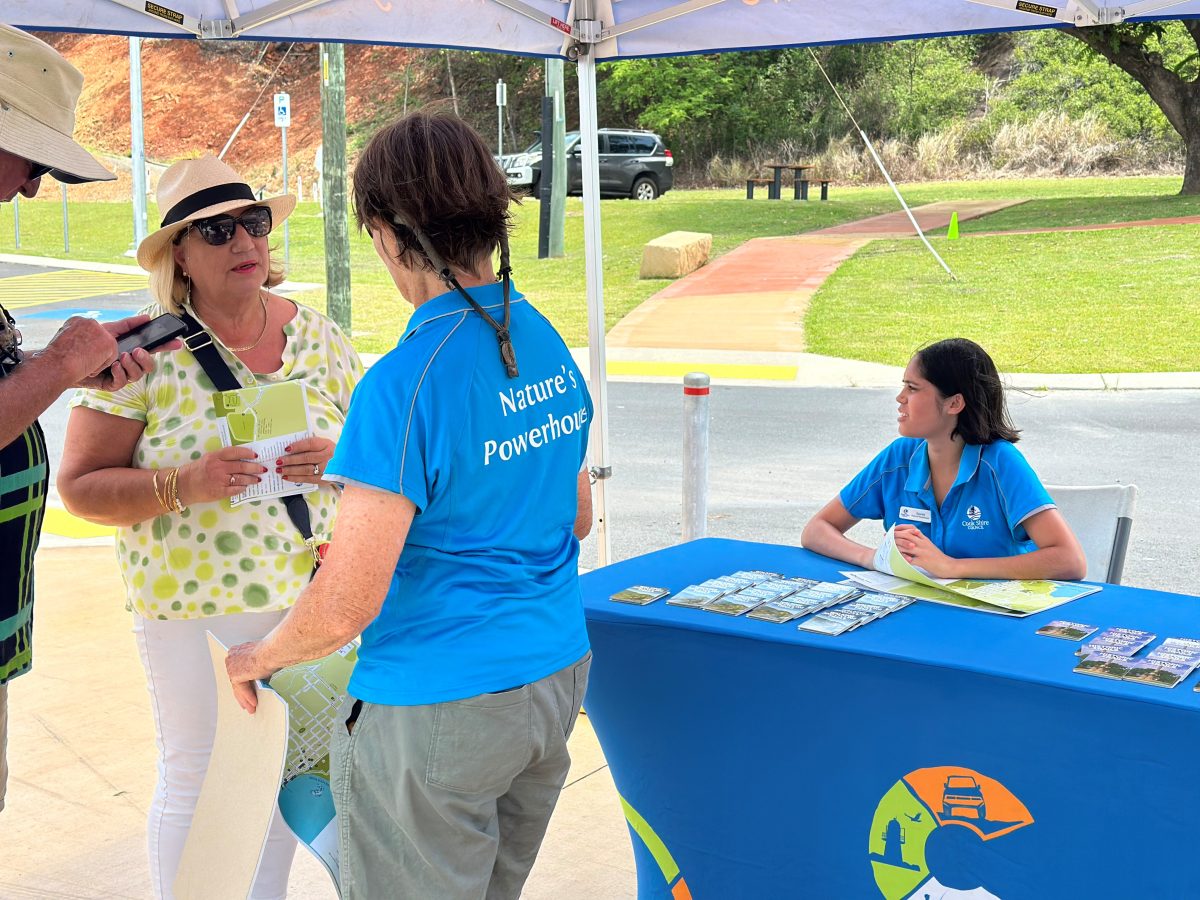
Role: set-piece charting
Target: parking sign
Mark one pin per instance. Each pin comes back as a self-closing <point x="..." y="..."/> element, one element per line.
<point x="283" y="110"/>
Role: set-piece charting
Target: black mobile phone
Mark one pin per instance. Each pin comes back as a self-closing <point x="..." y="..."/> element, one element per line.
<point x="153" y="334"/>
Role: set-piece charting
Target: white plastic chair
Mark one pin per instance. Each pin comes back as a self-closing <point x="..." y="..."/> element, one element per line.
<point x="1101" y="517"/>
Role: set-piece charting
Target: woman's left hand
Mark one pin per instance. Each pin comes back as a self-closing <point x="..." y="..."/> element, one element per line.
<point x="305" y="460"/>
<point x="244" y="668"/>
<point x="919" y="550"/>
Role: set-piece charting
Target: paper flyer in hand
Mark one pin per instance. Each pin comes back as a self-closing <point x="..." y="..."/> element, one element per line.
<point x="1013" y="598"/>
<point x="266" y="419"/>
<point x="315" y="693"/>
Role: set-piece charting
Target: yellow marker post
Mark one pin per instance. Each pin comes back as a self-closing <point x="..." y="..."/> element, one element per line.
<point x="952" y="230"/>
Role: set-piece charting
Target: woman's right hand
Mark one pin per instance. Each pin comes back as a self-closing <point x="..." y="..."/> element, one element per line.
<point x="218" y="475"/>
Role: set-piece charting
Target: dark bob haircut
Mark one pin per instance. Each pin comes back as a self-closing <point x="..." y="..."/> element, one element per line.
<point x="433" y="171"/>
<point x="959" y="366"/>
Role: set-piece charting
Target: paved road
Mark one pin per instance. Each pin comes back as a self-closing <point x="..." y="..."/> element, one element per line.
<point x="778" y="453"/>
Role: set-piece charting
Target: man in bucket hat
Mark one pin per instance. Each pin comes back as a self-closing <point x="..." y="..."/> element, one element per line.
<point x="38" y="93"/>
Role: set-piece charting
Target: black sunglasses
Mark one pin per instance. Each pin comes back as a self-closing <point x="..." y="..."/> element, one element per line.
<point x="218" y="230"/>
<point x="36" y="171"/>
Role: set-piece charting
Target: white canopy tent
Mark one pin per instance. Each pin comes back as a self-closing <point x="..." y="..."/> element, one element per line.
<point x="586" y="31"/>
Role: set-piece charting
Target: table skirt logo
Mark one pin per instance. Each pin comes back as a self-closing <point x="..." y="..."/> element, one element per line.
<point x="974" y="520"/>
<point x="916" y="806"/>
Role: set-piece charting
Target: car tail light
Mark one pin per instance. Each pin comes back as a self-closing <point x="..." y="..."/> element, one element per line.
<point x="666" y="152"/>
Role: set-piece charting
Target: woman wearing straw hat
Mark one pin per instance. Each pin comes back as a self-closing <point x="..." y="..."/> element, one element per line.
<point x="149" y="459"/>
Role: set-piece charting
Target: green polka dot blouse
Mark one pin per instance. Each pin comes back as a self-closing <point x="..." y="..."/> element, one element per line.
<point x="213" y="558"/>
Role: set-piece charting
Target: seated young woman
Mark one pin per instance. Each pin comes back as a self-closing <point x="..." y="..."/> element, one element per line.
<point x="964" y="501"/>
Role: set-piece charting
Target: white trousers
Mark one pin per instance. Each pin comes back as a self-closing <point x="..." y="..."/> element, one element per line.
<point x="183" y="701"/>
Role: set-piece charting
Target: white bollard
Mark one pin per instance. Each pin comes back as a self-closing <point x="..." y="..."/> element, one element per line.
<point x="695" y="455"/>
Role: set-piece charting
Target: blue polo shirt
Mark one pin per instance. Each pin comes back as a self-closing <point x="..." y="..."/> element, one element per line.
<point x="995" y="491"/>
<point x="486" y="593"/>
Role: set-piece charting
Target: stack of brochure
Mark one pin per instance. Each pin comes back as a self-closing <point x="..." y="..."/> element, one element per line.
<point x="749" y="598"/>
<point x="811" y="597"/>
<point x="1067" y="631"/>
<point x="860" y="611"/>
<point x="639" y="594"/>
<point x="1164" y="666"/>
<point x="1167" y="664"/>
<point x="1116" y="641"/>
<point x="704" y="593"/>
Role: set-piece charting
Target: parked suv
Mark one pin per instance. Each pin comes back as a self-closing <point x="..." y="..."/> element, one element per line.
<point x="632" y="164"/>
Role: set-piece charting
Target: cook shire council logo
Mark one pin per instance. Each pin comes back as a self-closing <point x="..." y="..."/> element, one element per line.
<point x="920" y="803"/>
<point x="973" y="513"/>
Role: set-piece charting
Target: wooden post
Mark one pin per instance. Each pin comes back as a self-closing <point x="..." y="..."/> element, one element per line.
<point x="333" y="183"/>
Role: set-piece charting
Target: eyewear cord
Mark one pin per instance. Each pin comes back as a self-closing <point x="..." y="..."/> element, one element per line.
<point x="508" y="355"/>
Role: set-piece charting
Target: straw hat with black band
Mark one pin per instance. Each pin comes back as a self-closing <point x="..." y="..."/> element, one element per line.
<point x="197" y="189"/>
<point x="38" y="94"/>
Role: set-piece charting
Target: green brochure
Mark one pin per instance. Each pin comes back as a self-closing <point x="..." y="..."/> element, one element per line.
<point x="266" y="418"/>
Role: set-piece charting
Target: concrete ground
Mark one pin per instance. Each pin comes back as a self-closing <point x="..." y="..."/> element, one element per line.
<point x="81" y="750"/>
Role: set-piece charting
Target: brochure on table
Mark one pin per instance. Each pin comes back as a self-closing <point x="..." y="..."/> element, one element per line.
<point x="896" y="575"/>
<point x="266" y="418"/>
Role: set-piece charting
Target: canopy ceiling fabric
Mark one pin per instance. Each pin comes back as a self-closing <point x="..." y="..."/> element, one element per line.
<point x="491" y="25"/>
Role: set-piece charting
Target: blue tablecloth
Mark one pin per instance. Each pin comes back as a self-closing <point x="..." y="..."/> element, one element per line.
<point x="928" y="754"/>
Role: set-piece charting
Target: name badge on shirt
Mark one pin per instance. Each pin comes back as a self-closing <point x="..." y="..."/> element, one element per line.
<point x="915" y="515"/>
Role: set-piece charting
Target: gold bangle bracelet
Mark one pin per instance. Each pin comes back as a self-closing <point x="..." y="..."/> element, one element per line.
<point x="160" y="493"/>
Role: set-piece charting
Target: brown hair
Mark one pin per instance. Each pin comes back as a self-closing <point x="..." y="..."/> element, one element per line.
<point x="433" y="171"/>
<point x="959" y="366"/>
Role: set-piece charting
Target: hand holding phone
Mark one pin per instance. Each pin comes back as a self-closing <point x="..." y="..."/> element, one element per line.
<point x="154" y="333"/>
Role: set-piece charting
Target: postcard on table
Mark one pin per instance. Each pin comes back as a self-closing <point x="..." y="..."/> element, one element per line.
<point x="267" y="419"/>
<point x="695" y="595"/>
<point x="1157" y="673"/>
<point x="639" y="594"/>
<point x="1106" y="665"/>
<point x="1067" y="631"/>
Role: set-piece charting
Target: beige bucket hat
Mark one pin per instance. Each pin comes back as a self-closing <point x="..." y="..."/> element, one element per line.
<point x="196" y="189"/>
<point x="38" y="93"/>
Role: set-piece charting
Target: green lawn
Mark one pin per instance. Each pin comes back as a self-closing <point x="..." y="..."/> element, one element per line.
<point x="1041" y="303"/>
<point x="1097" y="301"/>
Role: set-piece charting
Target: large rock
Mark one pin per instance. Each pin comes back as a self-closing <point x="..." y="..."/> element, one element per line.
<point x="675" y="254"/>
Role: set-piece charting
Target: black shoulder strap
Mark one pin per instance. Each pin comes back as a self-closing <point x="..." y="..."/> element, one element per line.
<point x="200" y="343"/>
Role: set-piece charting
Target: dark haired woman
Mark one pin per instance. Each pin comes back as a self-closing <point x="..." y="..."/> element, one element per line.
<point x="456" y="545"/>
<point x="964" y="501"/>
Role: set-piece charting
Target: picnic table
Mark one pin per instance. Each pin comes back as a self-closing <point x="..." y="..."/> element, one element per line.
<point x="797" y="170"/>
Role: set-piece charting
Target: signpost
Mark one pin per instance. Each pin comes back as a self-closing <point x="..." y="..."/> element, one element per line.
<point x="501" y="102"/>
<point x="283" y="118"/>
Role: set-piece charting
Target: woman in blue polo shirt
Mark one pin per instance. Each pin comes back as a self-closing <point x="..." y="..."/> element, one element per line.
<point x="965" y="502"/>
<point x="456" y="546"/>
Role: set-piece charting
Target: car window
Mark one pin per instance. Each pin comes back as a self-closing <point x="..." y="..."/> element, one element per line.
<point x="622" y="143"/>
<point x="643" y="144"/>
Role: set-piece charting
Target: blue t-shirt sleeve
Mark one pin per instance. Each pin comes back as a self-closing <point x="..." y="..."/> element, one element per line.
<point x="864" y="496"/>
<point x="1020" y="488"/>
<point x="384" y="443"/>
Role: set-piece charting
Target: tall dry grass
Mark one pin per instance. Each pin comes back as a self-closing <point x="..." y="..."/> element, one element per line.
<point x="1048" y="145"/>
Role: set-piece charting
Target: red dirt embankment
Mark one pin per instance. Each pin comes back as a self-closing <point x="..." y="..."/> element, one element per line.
<point x="194" y="94"/>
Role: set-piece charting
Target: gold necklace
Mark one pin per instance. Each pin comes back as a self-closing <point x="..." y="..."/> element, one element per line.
<point x="257" y="340"/>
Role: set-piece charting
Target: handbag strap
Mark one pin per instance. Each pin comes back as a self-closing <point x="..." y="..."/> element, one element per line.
<point x="201" y="345"/>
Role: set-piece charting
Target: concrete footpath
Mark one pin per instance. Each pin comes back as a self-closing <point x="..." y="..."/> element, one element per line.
<point x="82" y="758"/>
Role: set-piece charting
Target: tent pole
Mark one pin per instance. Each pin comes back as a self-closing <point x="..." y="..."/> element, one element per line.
<point x="593" y="263"/>
<point x="137" y="152"/>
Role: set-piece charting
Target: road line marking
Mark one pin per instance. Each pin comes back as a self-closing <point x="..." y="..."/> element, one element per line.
<point x="23" y="291"/>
